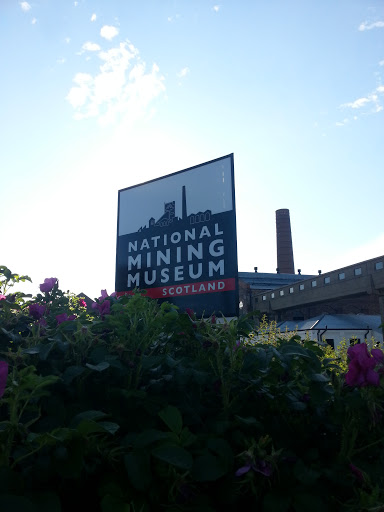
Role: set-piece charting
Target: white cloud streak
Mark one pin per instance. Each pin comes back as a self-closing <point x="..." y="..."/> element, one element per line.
<point x="91" y="47"/>
<point x="216" y="8"/>
<point x="369" y="26"/>
<point x="121" y="89"/>
<point x="173" y="18"/>
<point x="367" y="105"/>
<point x="357" y="103"/>
<point x="183" y="72"/>
<point x="109" y="32"/>
<point x="93" y="17"/>
<point x="25" y="6"/>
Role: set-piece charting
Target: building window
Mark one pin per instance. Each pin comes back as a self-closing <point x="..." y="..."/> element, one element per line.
<point x="281" y="293"/>
<point x="314" y="283"/>
<point x="327" y="280"/>
<point x="291" y="289"/>
<point x="331" y="342"/>
<point x="264" y="297"/>
<point x="358" y="271"/>
<point x="379" y="265"/>
<point x="301" y="287"/>
<point x="341" y="276"/>
<point x="273" y="295"/>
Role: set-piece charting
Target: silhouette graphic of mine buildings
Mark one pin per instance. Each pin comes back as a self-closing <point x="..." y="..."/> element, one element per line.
<point x="169" y="217"/>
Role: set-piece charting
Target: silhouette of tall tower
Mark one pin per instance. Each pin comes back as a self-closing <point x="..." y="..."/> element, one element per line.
<point x="184" y="205"/>
<point x="284" y="242"/>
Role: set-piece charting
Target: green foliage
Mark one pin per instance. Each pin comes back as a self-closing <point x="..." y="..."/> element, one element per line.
<point x="137" y="406"/>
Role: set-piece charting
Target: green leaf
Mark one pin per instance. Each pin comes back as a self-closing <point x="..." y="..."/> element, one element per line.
<point x="32" y="350"/>
<point x="109" y="426"/>
<point x="138" y="469"/>
<point x="151" y="436"/>
<point x="10" y="481"/>
<point x="319" y="377"/>
<point x="208" y="468"/>
<point x="45" y="350"/>
<point x="12" y="336"/>
<point x="87" y="415"/>
<point x="11" y="503"/>
<point x="111" y="503"/>
<point x="149" y="362"/>
<point x="171" y="362"/>
<point x="173" y="454"/>
<point x="46" y="502"/>
<point x="304" y="502"/>
<point x="172" y="418"/>
<point x="71" y="373"/>
<point x="222" y="449"/>
<point x="98" y="367"/>
<point x="304" y="474"/>
<point x="98" y="354"/>
<point x="250" y="421"/>
<point x="89" y="427"/>
<point x="294" y="350"/>
<point x="276" y="503"/>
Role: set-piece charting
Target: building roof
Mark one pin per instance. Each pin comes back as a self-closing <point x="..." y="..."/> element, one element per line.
<point x="334" y="322"/>
<point x="268" y="281"/>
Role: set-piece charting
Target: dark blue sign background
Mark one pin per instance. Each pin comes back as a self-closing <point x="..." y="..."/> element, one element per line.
<point x="186" y="257"/>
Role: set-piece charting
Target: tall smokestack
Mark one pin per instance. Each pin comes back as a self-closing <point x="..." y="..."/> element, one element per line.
<point x="284" y="242"/>
<point x="184" y="204"/>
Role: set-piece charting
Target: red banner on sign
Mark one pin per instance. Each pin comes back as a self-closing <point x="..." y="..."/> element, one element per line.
<point x="178" y="290"/>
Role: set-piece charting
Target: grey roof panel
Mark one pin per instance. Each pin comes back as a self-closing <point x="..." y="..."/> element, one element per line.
<point x="357" y="322"/>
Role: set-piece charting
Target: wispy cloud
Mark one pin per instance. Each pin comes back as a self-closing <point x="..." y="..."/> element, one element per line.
<point x="67" y="40"/>
<point x="183" y="72"/>
<point x="91" y="47"/>
<point x="369" y="26"/>
<point x="216" y="8"/>
<point x="357" y="103"/>
<point x="25" y="6"/>
<point x="173" y="18"/>
<point x="370" y="104"/>
<point x="93" y="17"/>
<point x="343" y="122"/>
<point x="121" y="89"/>
<point x="109" y="32"/>
<point x="381" y="63"/>
<point x="34" y="21"/>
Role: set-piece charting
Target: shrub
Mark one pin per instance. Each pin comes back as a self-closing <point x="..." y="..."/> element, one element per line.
<point x="137" y="406"/>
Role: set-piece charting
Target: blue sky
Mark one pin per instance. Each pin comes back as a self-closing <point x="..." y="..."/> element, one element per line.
<point x="98" y="96"/>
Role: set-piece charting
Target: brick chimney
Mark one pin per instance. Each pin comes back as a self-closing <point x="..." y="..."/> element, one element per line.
<point x="284" y="242"/>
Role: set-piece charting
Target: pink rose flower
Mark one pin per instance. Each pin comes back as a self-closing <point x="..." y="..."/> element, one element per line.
<point x="2" y="297"/>
<point x="361" y="367"/>
<point x="48" y="284"/>
<point x="104" y="295"/>
<point x="104" y="308"/>
<point x="190" y="313"/>
<point x="64" y="318"/>
<point x="37" y="310"/>
<point x="3" y="376"/>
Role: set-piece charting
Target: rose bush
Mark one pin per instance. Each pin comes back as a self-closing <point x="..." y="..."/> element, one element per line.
<point x="134" y="405"/>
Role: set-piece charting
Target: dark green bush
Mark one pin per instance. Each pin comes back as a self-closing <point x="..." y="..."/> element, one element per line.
<point x="135" y="406"/>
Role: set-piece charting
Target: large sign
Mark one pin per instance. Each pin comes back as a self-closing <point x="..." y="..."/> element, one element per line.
<point x="176" y="239"/>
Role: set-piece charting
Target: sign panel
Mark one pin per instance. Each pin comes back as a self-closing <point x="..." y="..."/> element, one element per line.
<point x="176" y="239"/>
